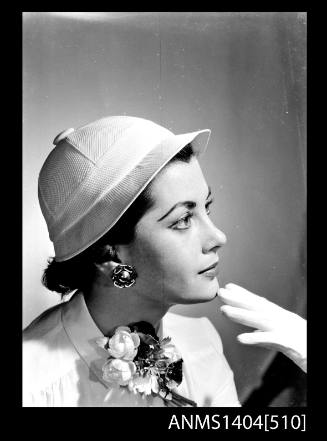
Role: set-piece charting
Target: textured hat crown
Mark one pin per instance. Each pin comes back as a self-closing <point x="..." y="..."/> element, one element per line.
<point x="95" y="172"/>
<point x="74" y="157"/>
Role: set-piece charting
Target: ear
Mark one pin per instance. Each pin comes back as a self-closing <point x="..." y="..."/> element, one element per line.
<point x="105" y="267"/>
<point x="109" y="252"/>
<point x="122" y="253"/>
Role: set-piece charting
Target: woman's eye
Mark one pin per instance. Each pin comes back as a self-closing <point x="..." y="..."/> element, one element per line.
<point x="183" y="222"/>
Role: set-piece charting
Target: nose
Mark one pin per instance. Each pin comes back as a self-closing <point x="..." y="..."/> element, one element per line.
<point x="213" y="237"/>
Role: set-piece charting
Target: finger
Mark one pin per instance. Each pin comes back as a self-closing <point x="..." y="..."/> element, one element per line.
<point x="234" y="299"/>
<point x="257" y="338"/>
<point x="237" y="296"/>
<point x="247" y="300"/>
<point x="243" y="295"/>
<point x="246" y="317"/>
<point x="270" y="340"/>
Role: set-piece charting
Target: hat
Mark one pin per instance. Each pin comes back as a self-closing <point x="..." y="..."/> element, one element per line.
<point x="96" y="171"/>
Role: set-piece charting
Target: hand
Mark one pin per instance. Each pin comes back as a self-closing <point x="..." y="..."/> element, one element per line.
<point x="276" y="328"/>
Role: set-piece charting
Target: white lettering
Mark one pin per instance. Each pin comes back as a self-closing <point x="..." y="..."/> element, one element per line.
<point x="217" y="422"/>
<point x="173" y="422"/>
<point x="187" y="422"/>
<point x="205" y="422"/>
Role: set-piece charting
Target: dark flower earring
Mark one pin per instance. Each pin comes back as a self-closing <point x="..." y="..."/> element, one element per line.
<point x="124" y="276"/>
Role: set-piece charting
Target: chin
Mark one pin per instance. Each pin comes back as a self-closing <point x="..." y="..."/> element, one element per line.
<point x="209" y="292"/>
<point x="202" y="294"/>
<point x="212" y="294"/>
<point x="202" y="299"/>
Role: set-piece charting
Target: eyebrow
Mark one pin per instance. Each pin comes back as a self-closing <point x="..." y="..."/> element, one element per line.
<point x="188" y="204"/>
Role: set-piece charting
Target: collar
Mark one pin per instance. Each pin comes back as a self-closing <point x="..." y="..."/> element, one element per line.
<point x="83" y="333"/>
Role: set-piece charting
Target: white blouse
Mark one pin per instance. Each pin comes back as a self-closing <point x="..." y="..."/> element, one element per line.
<point x="62" y="362"/>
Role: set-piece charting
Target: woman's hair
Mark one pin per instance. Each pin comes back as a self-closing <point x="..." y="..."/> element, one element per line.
<point x="80" y="271"/>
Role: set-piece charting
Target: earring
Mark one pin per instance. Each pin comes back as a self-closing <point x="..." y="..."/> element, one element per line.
<point x="123" y="276"/>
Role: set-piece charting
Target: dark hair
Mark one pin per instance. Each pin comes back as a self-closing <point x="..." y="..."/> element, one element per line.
<point x="80" y="271"/>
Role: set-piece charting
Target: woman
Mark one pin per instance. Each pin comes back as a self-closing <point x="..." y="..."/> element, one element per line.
<point x="127" y="209"/>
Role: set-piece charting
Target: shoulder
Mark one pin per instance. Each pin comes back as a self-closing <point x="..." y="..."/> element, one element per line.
<point x="44" y="342"/>
<point x="198" y="330"/>
<point x="42" y="325"/>
<point x="42" y="333"/>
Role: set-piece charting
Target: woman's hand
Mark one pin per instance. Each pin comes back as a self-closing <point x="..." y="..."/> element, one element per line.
<point x="276" y="328"/>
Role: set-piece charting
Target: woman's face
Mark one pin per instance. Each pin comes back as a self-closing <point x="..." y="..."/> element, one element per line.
<point x="175" y="240"/>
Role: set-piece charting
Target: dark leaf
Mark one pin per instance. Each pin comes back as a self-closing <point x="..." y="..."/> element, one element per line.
<point x="143" y="350"/>
<point x="148" y="339"/>
<point x="144" y="328"/>
<point x="175" y="371"/>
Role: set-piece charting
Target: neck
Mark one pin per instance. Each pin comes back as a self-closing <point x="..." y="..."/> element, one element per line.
<point x="110" y="307"/>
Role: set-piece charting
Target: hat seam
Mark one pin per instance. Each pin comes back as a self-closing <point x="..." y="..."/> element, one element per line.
<point x="75" y="146"/>
<point x="45" y="203"/>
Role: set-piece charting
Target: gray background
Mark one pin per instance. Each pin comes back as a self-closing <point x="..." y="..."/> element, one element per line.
<point x="241" y="74"/>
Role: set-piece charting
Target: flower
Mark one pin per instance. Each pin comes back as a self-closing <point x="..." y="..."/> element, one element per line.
<point x="118" y="371"/>
<point x="170" y="351"/>
<point x="124" y="343"/>
<point x="144" y="384"/>
<point x="161" y="365"/>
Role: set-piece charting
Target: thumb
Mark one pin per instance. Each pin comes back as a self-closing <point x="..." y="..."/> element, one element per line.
<point x="293" y="348"/>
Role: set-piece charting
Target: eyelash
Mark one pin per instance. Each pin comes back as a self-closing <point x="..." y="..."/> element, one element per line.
<point x="189" y="215"/>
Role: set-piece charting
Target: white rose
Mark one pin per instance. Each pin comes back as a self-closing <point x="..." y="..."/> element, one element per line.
<point x="118" y="371"/>
<point x="124" y="343"/>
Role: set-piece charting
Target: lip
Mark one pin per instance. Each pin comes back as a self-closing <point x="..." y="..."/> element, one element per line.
<point x="210" y="270"/>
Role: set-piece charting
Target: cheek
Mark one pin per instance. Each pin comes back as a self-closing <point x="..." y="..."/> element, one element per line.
<point x="167" y="260"/>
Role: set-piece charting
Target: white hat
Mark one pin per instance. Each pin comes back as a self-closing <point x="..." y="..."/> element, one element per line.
<point x="96" y="172"/>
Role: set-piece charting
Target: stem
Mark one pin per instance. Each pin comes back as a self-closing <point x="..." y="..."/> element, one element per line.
<point x="183" y="400"/>
<point x="172" y="403"/>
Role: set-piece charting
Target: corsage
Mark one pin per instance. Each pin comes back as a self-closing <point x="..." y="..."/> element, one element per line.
<point x="141" y="362"/>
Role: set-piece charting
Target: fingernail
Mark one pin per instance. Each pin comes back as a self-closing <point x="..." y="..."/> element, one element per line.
<point x="222" y="310"/>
